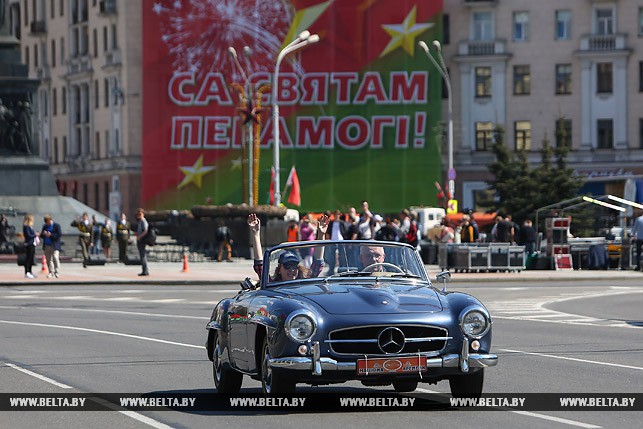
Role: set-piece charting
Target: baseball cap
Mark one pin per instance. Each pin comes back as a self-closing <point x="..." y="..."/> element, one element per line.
<point x="287" y="257"/>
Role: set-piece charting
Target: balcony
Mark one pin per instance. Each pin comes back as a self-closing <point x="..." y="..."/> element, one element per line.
<point x="77" y="65"/>
<point x="112" y="58"/>
<point x="482" y="47"/>
<point x="602" y="43"/>
<point x="480" y="3"/>
<point x="37" y="28"/>
<point x="107" y="7"/>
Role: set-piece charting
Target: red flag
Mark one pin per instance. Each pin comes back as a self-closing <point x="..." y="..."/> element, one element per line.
<point x="271" y="192"/>
<point x="295" y="192"/>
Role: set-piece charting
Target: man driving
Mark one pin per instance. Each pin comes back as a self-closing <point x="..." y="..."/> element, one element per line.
<point x="369" y="255"/>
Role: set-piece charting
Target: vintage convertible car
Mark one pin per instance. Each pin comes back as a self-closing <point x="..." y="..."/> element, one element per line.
<point x="366" y="312"/>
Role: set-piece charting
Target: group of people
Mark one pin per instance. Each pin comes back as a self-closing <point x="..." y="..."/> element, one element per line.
<point x="91" y="233"/>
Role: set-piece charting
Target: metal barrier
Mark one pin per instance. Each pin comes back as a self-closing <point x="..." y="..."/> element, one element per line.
<point x="481" y="257"/>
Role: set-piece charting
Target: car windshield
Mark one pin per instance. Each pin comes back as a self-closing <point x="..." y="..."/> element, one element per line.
<point x="338" y="259"/>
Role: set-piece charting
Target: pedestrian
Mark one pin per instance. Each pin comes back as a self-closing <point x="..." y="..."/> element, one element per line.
<point x="501" y="231"/>
<point x="141" y="240"/>
<point x="447" y="234"/>
<point x="97" y="227"/>
<point x="51" y="235"/>
<point x="468" y="234"/>
<point x="224" y="241"/>
<point x="31" y="241"/>
<point x="411" y="235"/>
<point x="292" y="233"/>
<point x="527" y="237"/>
<point x="122" y="236"/>
<point x="85" y="237"/>
<point x="388" y="231"/>
<point x="106" y="237"/>
<point x="4" y="230"/>
<point x="637" y="231"/>
<point x="307" y="233"/>
<point x="366" y="226"/>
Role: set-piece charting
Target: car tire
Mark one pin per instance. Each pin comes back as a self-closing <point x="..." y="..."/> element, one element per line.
<point x="226" y="379"/>
<point x="469" y="385"/>
<point x="273" y="382"/>
<point x="405" y="385"/>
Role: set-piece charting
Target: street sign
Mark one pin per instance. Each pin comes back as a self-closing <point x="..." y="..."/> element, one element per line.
<point x="451" y="174"/>
<point x="452" y="206"/>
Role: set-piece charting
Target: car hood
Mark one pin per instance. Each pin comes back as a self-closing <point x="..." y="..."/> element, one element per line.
<point x="369" y="299"/>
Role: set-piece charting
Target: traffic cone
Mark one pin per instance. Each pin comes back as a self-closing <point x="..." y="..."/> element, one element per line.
<point x="186" y="268"/>
<point x="44" y="269"/>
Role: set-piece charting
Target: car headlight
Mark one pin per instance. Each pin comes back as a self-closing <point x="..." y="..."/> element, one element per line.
<point x="300" y="326"/>
<point x="474" y="323"/>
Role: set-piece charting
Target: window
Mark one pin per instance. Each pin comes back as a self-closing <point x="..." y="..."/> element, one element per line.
<point x="62" y="7"/>
<point x="483" y="82"/>
<point x="55" y="150"/>
<point x="96" y="98"/>
<point x="640" y="133"/>
<point x="640" y="76"/>
<point x="54" y="101"/>
<point x="52" y="9"/>
<point x="114" y="38"/>
<point x="53" y="53"/>
<point x="104" y="39"/>
<point x="484" y="135"/>
<point x="563" y="78"/>
<point x="26" y="9"/>
<point x="35" y="56"/>
<point x="482" y="28"/>
<point x="563" y="133"/>
<point x="85" y="194"/>
<point x="96" y="196"/>
<point x="62" y="50"/>
<point x="604" y="21"/>
<point x="27" y="56"/>
<point x="64" y="148"/>
<point x="106" y="86"/>
<point x="446" y="29"/>
<point x="563" y="25"/>
<point x="641" y="21"/>
<point x="521" y="26"/>
<point x="605" y="133"/>
<point x="604" y="78"/>
<point x="522" y="135"/>
<point x="64" y="101"/>
<point x="106" y="195"/>
<point x="95" y="36"/>
<point x="522" y="80"/>
<point x="97" y="138"/>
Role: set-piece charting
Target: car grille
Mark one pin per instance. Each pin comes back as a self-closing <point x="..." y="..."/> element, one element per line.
<point x="374" y="340"/>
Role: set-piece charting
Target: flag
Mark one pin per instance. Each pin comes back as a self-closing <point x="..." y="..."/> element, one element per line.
<point x="295" y="192"/>
<point x="271" y="192"/>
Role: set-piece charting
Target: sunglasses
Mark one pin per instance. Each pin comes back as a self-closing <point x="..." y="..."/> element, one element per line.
<point x="291" y="265"/>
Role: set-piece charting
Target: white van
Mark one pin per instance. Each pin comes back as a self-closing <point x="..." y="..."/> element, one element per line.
<point x="427" y="218"/>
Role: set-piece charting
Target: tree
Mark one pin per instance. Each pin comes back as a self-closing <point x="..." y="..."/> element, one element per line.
<point x="521" y="189"/>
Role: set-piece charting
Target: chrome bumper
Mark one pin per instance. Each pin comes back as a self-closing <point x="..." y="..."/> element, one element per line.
<point x="317" y="366"/>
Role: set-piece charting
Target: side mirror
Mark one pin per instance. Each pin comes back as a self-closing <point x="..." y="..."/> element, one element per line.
<point x="444" y="277"/>
<point x="247" y="284"/>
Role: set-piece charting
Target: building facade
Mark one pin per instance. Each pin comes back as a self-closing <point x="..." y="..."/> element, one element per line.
<point x="87" y="55"/>
<point x="528" y="66"/>
<point x="532" y="66"/>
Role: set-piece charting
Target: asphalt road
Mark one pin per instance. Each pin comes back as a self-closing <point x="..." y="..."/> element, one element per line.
<point x="559" y="337"/>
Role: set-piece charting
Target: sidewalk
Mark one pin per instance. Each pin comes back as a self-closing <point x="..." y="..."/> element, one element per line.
<point x="205" y="273"/>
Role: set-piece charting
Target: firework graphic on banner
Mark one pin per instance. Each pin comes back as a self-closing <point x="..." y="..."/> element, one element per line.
<point x="199" y="32"/>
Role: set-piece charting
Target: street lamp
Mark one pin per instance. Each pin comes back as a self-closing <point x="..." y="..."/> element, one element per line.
<point x="304" y="38"/>
<point x="444" y="72"/>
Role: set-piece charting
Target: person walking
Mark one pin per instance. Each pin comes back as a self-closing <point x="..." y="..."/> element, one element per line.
<point x="106" y="238"/>
<point x="224" y="241"/>
<point x="122" y="236"/>
<point x="4" y="230"/>
<point x="141" y="232"/>
<point x="97" y="227"/>
<point x="85" y="238"/>
<point x="637" y="230"/>
<point x="31" y="241"/>
<point x="51" y="234"/>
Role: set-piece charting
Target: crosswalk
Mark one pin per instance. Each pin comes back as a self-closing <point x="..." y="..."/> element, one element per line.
<point x="535" y="309"/>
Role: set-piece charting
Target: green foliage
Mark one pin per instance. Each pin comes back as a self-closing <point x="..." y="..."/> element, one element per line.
<point x="522" y="189"/>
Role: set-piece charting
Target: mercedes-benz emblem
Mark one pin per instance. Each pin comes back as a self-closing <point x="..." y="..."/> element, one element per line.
<point x="391" y="340"/>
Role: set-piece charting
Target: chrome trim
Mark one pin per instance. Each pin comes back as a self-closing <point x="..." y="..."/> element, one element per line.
<point x="408" y="340"/>
<point x="317" y="368"/>
<point x="300" y="312"/>
<point x="482" y="311"/>
<point x="464" y="356"/>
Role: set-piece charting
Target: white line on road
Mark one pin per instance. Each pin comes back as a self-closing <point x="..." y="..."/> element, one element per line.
<point x="97" y="331"/>
<point x="530" y="414"/>
<point x="95" y="310"/>
<point x="38" y="376"/>
<point x="617" y="365"/>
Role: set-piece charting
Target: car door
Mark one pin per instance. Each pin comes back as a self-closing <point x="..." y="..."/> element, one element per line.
<point x="238" y="320"/>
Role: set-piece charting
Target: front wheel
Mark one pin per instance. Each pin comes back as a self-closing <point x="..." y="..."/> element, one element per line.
<point x="226" y="379"/>
<point x="273" y="382"/>
<point x="469" y="385"/>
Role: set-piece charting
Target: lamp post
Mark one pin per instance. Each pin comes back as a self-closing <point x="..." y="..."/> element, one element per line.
<point x="304" y="38"/>
<point x="444" y="72"/>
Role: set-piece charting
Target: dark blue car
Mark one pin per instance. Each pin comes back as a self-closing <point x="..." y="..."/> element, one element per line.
<point x="328" y="312"/>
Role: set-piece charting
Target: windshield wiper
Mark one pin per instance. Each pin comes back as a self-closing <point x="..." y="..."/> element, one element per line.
<point x="407" y="275"/>
<point x="347" y="273"/>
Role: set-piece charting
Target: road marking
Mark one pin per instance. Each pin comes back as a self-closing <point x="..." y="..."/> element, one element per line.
<point x="529" y="413"/>
<point x="617" y="365"/>
<point x="97" y="331"/>
<point x="93" y="310"/>
<point x="38" y="376"/>
<point x="108" y="299"/>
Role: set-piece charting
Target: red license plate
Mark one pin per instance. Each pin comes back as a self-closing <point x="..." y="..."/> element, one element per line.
<point x="391" y="365"/>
